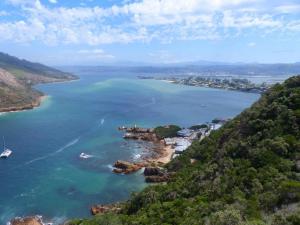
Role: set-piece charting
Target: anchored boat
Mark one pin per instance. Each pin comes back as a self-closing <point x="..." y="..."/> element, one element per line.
<point x="84" y="156"/>
<point x="6" y="152"/>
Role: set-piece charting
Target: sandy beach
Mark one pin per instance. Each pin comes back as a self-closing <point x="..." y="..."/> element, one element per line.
<point x="166" y="155"/>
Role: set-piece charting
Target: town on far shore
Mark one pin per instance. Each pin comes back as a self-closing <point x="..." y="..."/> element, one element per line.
<point x="228" y="83"/>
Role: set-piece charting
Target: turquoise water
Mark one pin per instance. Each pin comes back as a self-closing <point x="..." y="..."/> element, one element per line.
<point x="45" y="175"/>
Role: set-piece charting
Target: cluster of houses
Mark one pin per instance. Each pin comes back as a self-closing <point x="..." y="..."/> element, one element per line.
<point x="229" y="83"/>
<point x="186" y="136"/>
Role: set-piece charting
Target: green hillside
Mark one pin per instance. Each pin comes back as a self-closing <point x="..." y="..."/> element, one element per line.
<point x="248" y="172"/>
<point x="17" y="76"/>
<point x="20" y="66"/>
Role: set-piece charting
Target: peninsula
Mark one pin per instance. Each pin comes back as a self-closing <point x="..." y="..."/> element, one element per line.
<point x="17" y="78"/>
<point x="235" y="84"/>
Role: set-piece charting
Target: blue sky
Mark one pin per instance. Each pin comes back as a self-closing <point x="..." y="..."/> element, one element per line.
<point x="94" y="32"/>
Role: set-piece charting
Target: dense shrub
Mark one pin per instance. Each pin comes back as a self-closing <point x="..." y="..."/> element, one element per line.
<point x="246" y="172"/>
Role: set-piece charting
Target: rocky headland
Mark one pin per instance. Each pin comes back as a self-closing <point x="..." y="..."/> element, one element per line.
<point x="18" y="78"/>
<point x="33" y="220"/>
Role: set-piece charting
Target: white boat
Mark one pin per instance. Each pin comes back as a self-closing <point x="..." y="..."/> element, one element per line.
<point x="84" y="156"/>
<point x="6" y="152"/>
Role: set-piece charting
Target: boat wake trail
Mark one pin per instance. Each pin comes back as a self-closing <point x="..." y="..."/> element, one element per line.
<point x="73" y="142"/>
<point x="37" y="159"/>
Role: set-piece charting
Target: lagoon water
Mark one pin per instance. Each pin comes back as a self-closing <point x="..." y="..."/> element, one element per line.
<point x="45" y="175"/>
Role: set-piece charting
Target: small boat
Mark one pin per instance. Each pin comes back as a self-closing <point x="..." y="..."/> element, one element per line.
<point x="84" y="156"/>
<point x="6" y="152"/>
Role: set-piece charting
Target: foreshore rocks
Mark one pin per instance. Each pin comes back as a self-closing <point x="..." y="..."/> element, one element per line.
<point x="25" y="106"/>
<point x="127" y="167"/>
<point x="137" y="133"/>
<point x="153" y="171"/>
<point x="34" y="220"/>
<point x="100" y="209"/>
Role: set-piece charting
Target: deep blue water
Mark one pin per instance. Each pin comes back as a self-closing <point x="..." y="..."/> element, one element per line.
<point x="45" y="175"/>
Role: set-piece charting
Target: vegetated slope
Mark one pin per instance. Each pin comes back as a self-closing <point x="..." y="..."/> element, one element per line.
<point x="17" y="77"/>
<point x="248" y="172"/>
<point x="20" y="66"/>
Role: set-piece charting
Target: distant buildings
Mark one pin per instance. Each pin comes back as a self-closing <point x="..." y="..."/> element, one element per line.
<point x="187" y="135"/>
<point x="235" y="84"/>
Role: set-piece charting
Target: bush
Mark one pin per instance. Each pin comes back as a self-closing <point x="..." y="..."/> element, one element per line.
<point x="166" y="131"/>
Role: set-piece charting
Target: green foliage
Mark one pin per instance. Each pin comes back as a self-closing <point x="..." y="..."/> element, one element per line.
<point x="16" y="90"/>
<point x="245" y="172"/>
<point x="19" y="67"/>
<point x="197" y="127"/>
<point x="166" y="131"/>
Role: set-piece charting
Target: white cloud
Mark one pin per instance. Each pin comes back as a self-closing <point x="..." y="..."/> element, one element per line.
<point x="53" y="1"/>
<point x="93" y="54"/>
<point x="3" y="13"/>
<point x="288" y="8"/>
<point x="251" y="44"/>
<point x="144" y="21"/>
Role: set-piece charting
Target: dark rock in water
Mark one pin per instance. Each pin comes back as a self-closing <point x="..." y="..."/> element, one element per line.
<point x="116" y="170"/>
<point x="142" y="136"/>
<point x="123" y="164"/>
<point x="34" y="220"/>
<point x="152" y="171"/>
<point x="127" y="167"/>
<point x="137" y="133"/>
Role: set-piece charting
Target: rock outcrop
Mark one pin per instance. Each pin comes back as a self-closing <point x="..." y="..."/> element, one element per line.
<point x="100" y="209"/>
<point x="138" y="133"/>
<point x="127" y="167"/>
<point x="153" y="171"/>
<point x="156" y="175"/>
<point x="34" y="220"/>
<point x="141" y="136"/>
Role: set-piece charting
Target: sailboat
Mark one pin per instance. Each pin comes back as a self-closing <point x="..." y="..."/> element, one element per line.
<point x="6" y="152"/>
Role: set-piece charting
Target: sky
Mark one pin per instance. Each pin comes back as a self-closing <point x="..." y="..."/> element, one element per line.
<point x="96" y="32"/>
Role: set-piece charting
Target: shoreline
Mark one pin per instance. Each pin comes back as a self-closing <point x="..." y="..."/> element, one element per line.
<point x="165" y="155"/>
<point x="37" y="103"/>
<point x="177" y="82"/>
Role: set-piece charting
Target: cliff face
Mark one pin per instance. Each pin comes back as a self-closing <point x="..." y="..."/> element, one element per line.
<point x="16" y="80"/>
<point x="247" y="172"/>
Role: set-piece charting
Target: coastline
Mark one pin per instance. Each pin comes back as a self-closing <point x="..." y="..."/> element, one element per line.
<point x="35" y="103"/>
<point x="29" y="106"/>
<point x="165" y="155"/>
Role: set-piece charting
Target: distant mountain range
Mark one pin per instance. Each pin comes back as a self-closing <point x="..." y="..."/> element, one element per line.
<point x="205" y="68"/>
<point x="17" y="76"/>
